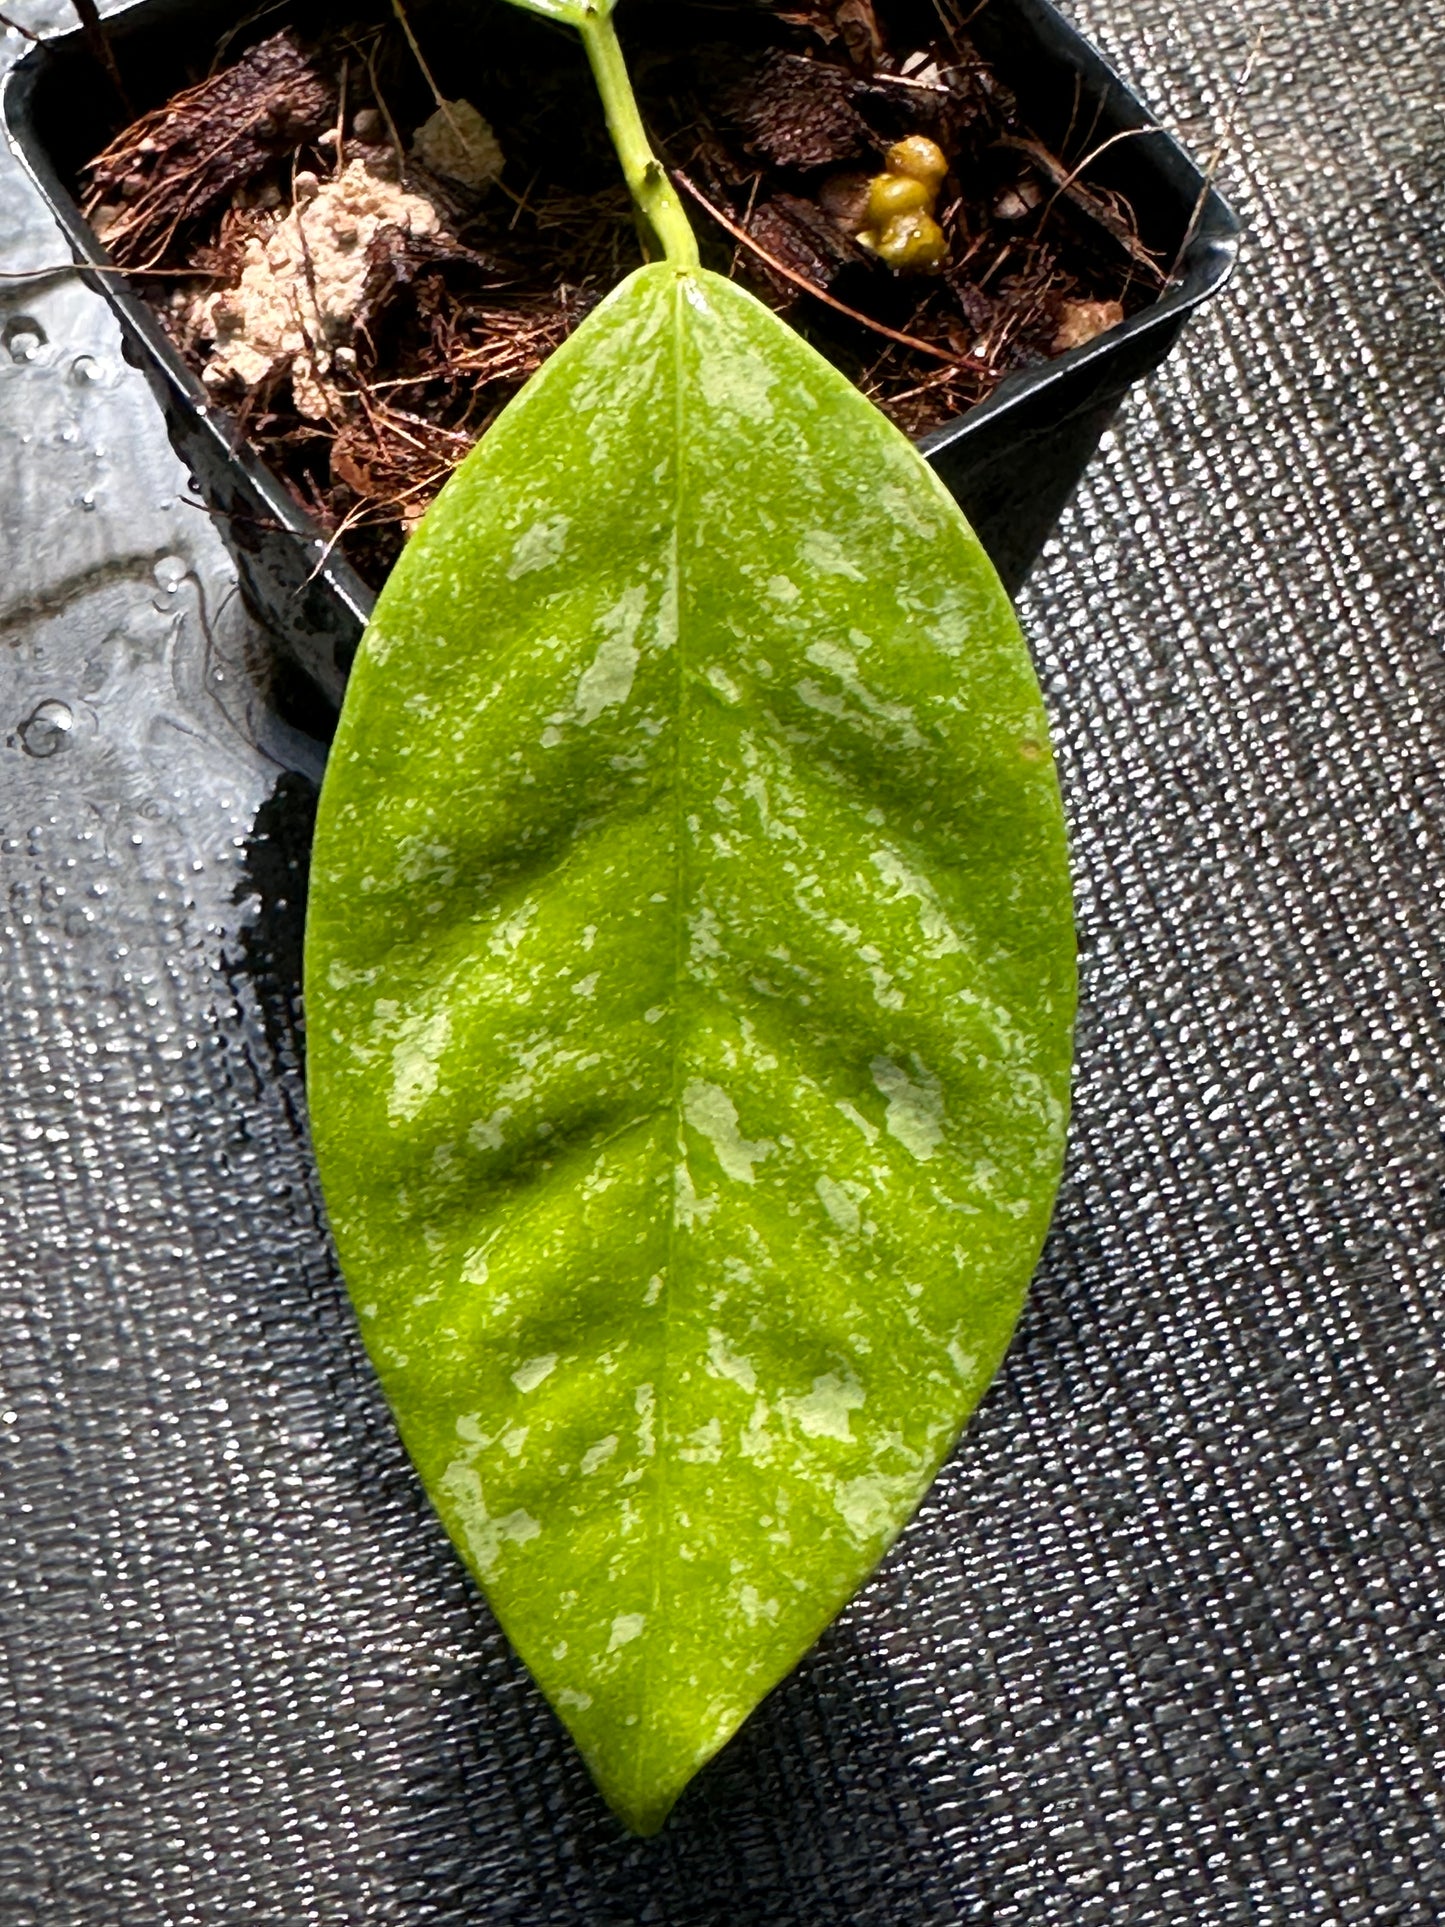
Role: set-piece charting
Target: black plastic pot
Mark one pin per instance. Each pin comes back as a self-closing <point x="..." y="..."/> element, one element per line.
<point x="1012" y="462"/>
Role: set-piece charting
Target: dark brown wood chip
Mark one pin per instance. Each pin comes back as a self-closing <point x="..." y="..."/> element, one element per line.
<point x="174" y="165"/>
<point x="394" y="260"/>
<point x="800" y="234"/>
<point x="797" y="112"/>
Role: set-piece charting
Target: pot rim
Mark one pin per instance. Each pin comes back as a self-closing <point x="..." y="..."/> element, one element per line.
<point x="1204" y="264"/>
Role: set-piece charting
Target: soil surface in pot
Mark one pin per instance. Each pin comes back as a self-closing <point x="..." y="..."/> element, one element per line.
<point x="365" y="230"/>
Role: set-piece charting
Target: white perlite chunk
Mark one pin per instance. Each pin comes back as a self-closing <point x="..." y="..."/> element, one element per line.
<point x="458" y="143"/>
<point x="300" y="282"/>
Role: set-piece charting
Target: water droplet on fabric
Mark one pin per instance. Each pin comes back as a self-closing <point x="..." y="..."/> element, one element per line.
<point x="47" y="728"/>
<point x="23" y="337"/>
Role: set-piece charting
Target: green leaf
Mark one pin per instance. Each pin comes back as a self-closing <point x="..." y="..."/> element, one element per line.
<point x="690" y="980"/>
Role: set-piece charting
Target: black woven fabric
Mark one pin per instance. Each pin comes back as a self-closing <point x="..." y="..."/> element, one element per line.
<point x="1164" y="1645"/>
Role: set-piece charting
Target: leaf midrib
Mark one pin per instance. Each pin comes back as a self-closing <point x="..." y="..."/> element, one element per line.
<point x="681" y="881"/>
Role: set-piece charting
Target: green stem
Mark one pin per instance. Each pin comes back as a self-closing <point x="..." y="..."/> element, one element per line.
<point x="653" y="192"/>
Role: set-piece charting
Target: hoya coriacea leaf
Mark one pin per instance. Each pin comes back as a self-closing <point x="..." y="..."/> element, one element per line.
<point x="689" y="982"/>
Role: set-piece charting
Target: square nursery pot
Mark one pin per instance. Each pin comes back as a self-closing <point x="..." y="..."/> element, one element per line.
<point x="1012" y="461"/>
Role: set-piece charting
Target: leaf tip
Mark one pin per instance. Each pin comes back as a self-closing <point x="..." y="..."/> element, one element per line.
<point x="643" y="1762"/>
<point x="646" y="1819"/>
